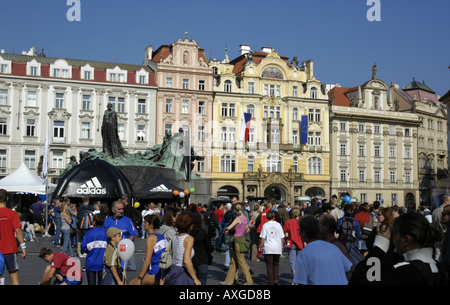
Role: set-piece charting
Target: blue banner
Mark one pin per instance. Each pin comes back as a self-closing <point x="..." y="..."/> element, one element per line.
<point x="304" y="130"/>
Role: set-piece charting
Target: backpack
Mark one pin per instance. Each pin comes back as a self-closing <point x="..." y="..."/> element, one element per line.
<point x="353" y="252"/>
<point x="347" y="231"/>
<point x="214" y="221"/>
<point x="137" y="217"/>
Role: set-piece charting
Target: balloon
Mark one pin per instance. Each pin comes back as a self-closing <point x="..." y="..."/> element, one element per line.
<point x="136" y="205"/>
<point x="347" y="199"/>
<point x="340" y="201"/>
<point x="355" y="198"/>
<point x="176" y="193"/>
<point x="181" y="195"/>
<point x="186" y="192"/>
<point x="192" y="190"/>
<point x="126" y="249"/>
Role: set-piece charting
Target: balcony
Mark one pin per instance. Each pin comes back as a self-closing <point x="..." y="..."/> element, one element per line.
<point x="59" y="140"/>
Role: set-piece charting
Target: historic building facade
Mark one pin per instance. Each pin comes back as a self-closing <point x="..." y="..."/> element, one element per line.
<point x="373" y="145"/>
<point x="185" y="98"/>
<point x="432" y="139"/>
<point x="70" y="96"/>
<point x="273" y="163"/>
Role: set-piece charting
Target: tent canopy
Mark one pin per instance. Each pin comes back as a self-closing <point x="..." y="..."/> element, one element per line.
<point x="24" y="180"/>
<point x="94" y="179"/>
<point x="160" y="188"/>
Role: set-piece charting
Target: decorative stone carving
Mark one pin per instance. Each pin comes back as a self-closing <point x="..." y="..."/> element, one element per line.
<point x="59" y="114"/>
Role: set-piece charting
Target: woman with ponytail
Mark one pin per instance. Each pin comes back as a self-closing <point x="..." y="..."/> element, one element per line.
<point x="413" y="237"/>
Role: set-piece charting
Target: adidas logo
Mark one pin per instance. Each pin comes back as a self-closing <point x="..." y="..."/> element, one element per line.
<point x="91" y="187"/>
<point x="160" y="188"/>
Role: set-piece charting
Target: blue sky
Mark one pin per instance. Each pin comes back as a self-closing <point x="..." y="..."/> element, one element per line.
<point x="411" y="40"/>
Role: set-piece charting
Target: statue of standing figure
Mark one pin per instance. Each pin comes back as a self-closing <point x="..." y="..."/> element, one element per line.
<point x="112" y="146"/>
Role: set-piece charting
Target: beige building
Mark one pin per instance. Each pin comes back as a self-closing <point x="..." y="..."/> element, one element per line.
<point x="373" y="145"/>
<point x="432" y="144"/>
<point x="273" y="163"/>
<point x="184" y="98"/>
<point x="70" y="96"/>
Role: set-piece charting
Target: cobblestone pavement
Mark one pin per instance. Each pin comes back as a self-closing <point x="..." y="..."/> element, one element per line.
<point x="31" y="269"/>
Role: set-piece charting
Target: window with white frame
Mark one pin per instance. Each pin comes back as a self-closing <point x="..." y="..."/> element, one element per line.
<point x="231" y="134"/>
<point x="120" y="104"/>
<point x="407" y="177"/>
<point x="227" y="86"/>
<point x="343" y="175"/>
<point x="228" y="163"/>
<point x="377" y="151"/>
<point x="273" y="164"/>
<point x="201" y="133"/>
<point x="314" y="166"/>
<point x="295" y="91"/>
<point x="142" y="79"/>
<point x="275" y="135"/>
<point x="30" y="159"/>
<point x="266" y="112"/>
<point x="4" y="68"/>
<point x="87" y="72"/>
<point x="251" y="135"/>
<point x="407" y="152"/>
<point x="3" y="97"/>
<point x="3" y="126"/>
<point x="2" y="157"/>
<point x="86" y="102"/>
<point x="167" y="129"/>
<point x="295" y="114"/>
<point x="361" y="150"/>
<point x="223" y="134"/>
<point x="361" y="127"/>
<point x="57" y="160"/>
<point x="392" y="176"/>
<point x="377" y="129"/>
<point x="378" y="197"/>
<point x="310" y="138"/>
<point x="377" y="177"/>
<point x="200" y="165"/>
<point x="317" y="116"/>
<point x="343" y="149"/>
<point x="251" y="110"/>
<point x="232" y="110"/>
<point x="31" y="128"/>
<point x="169" y="82"/>
<point x="295" y="165"/>
<point x="277" y="90"/>
<point x="295" y="137"/>
<point x="313" y="92"/>
<point x="362" y="175"/>
<point x="121" y="131"/>
<point x="141" y="105"/>
<point x="169" y="106"/>
<point x="31" y="99"/>
<point x="201" y="108"/>
<point x="201" y="85"/>
<point x="394" y="198"/>
<point x="58" y="131"/>
<point x="141" y="133"/>
<point x="59" y="100"/>
<point x="185" y="83"/>
<point x="251" y="87"/>
<point x="87" y="75"/>
<point x="112" y="100"/>
<point x="407" y="132"/>
<point x="391" y="151"/>
<point x="33" y="68"/>
<point x="85" y="130"/>
<point x="185" y="107"/>
<point x="311" y="115"/>
<point x="363" y="197"/>
<point x="343" y="126"/>
<point x="392" y="130"/>
<point x="318" y="138"/>
<point x="251" y="163"/>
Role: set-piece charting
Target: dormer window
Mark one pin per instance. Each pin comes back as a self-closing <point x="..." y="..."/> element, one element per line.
<point x="5" y="66"/>
<point x="33" y="68"/>
<point x="61" y="69"/>
<point x="116" y="75"/>
<point x="142" y="77"/>
<point x="87" y="72"/>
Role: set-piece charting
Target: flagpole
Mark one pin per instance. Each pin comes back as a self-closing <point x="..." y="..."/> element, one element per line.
<point x="45" y="170"/>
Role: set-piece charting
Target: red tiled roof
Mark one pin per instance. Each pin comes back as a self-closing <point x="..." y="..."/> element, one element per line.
<point x="340" y="99"/>
<point x="258" y="56"/>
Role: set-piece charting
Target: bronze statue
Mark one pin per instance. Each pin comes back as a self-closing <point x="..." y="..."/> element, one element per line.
<point x="112" y="146"/>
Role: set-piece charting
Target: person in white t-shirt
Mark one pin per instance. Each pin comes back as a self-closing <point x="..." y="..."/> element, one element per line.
<point x="272" y="247"/>
<point x="146" y="211"/>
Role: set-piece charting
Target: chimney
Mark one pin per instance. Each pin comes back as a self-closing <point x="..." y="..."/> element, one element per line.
<point x="266" y="49"/>
<point x="3" y="51"/>
<point x="148" y="52"/>
<point x="244" y="48"/>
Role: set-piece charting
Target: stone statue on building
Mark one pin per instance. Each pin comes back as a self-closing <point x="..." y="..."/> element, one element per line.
<point x="374" y="71"/>
<point x="72" y="163"/>
<point x="40" y="165"/>
<point x="111" y="141"/>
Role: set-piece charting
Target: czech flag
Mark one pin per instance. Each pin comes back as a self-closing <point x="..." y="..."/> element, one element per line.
<point x="245" y="128"/>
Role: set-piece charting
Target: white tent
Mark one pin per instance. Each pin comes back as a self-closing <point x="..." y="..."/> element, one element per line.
<point x="24" y="180"/>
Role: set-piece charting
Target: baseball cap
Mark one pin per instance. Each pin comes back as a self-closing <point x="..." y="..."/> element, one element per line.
<point x="113" y="231"/>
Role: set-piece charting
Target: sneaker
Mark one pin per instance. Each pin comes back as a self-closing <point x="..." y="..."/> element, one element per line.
<point x="225" y="283"/>
<point x="81" y="255"/>
<point x="46" y="235"/>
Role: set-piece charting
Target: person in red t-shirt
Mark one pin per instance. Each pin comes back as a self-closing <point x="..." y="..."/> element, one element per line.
<point x="294" y="242"/>
<point x="64" y="268"/>
<point x="219" y="214"/>
<point x="10" y="228"/>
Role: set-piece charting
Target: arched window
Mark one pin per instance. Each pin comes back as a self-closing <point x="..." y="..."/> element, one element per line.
<point x="228" y="164"/>
<point x="227" y="86"/>
<point x="251" y="164"/>
<point x="314" y="166"/>
<point x="313" y="92"/>
<point x="273" y="164"/>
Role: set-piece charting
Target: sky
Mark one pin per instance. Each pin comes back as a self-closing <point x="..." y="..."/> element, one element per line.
<point x="411" y="40"/>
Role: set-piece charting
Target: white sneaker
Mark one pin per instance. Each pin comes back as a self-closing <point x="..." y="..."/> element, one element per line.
<point x="46" y="235"/>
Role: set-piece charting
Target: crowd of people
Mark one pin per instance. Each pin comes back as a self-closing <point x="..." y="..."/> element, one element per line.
<point x="327" y="242"/>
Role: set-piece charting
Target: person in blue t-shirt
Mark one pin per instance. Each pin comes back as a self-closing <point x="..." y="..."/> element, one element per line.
<point x="38" y="210"/>
<point x="320" y="262"/>
<point x="94" y="243"/>
<point x="118" y="220"/>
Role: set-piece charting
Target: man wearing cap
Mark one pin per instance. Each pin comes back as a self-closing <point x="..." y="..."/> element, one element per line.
<point x="118" y="220"/>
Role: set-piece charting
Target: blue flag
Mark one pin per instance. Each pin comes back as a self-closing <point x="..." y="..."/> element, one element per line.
<point x="304" y="130"/>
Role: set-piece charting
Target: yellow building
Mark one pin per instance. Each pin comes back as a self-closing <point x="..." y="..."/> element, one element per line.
<point x="272" y="163"/>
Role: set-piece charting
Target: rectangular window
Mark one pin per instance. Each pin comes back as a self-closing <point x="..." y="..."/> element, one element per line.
<point x="65" y="73"/>
<point x="391" y="151"/>
<point x="251" y="135"/>
<point x="3" y="68"/>
<point x="232" y="110"/>
<point x="377" y="176"/>
<point x="142" y="79"/>
<point x="112" y="100"/>
<point x="392" y="130"/>
<point x="251" y="87"/>
<point x="343" y="126"/>
<point x="33" y="71"/>
<point x="141" y="105"/>
<point x="363" y="197"/>
<point x="343" y="150"/>
<point x="30" y="159"/>
<point x="185" y="107"/>
<point x="360" y="127"/>
<point x="59" y="100"/>
<point x="58" y="131"/>
<point x="120" y="78"/>
<point x="141" y="133"/>
<point x="310" y="138"/>
<point x="169" y="82"/>
<point x="87" y="75"/>
<point x="272" y="90"/>
<point x="295" y="137"/>
<point x="201" y="133"/>
<point x="295" y="91"/>
<point x="266" y="89"/>
<point x="31" y="128"/>
<point x="3" y="158"/>
<point x="408" y="177"/>
<point x="120" y="104"/>
<point x="169" y="106"/>
<point x="392" y="176"/>
<point x="201" y="108"/>
<point x="121" y="131"/>
<point x="223" y="134"/>
<point x="31" y="100"/>
<point x="377" y="129"/>
<point x="3" y="97"/>
<point x="56" y="72"/>
<point x="86" y="102"/>
<point x="311" y="115"/>
<point x="275" y="135"/>
<point x="200" y="165"/>
<point x="317" y="115"/>
<point x="362" y="176"/>
<point x="3" y="126"/>
<point x="201" y="85"/>
<point x="168" y="129"/>
<point x="378" y="197"/>
<point x="318" y="138"/>
<point x="85" y="130"/>
<point x="377" y="151"/>
<point x="231" y="134"/>
<point x="185" y="83"/>
<point x="224" y="109"/>
<point x="361" y="150"/>
<point x="57" y="161"/>
<point x="343" y="175"/>
<point x="407" y="152"/>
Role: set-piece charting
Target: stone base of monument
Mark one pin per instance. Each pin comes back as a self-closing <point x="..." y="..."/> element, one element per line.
<point x="140" y="176"/>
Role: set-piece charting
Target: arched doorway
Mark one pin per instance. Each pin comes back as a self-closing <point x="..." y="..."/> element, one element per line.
<point x="275" y="192"/>
<point x="228" y="190"/>
<point x="410" y="201"/>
